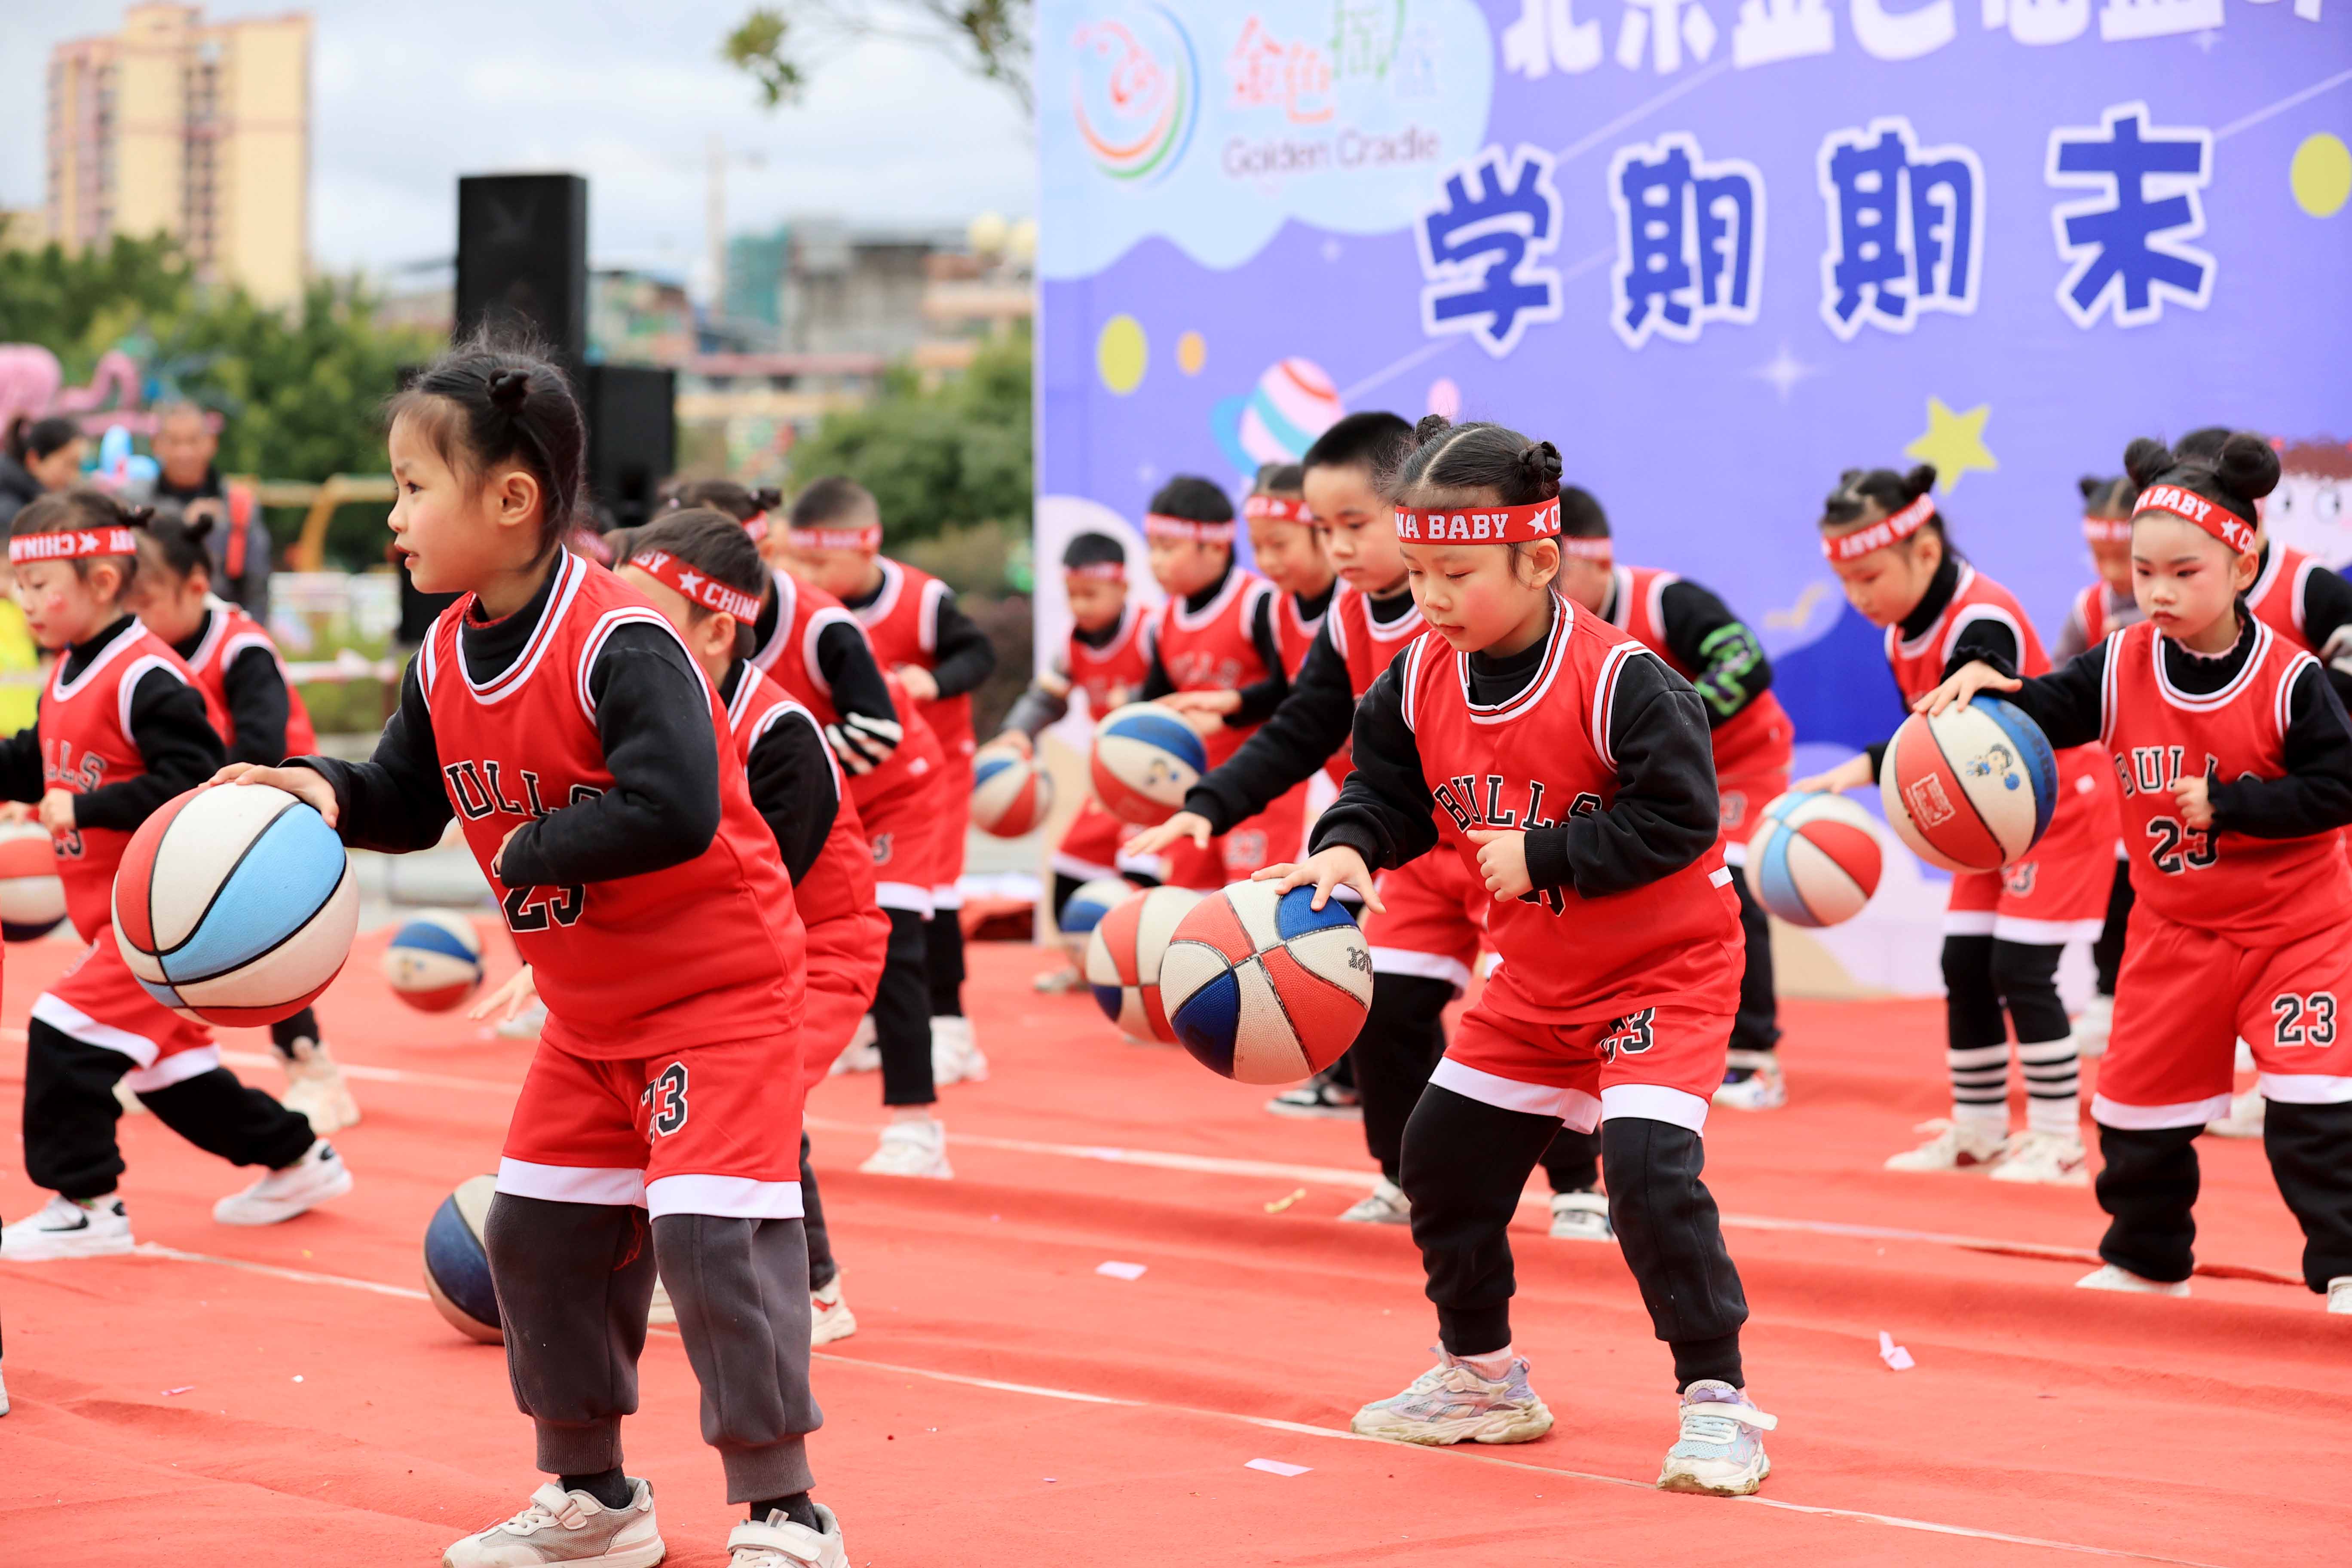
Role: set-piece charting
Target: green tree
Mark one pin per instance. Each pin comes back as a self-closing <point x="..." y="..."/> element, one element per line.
<point x="774" y="46"/>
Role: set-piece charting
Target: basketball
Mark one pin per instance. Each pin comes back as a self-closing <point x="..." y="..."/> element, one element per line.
<point x="1145" y="758"/>
<point x="1814" y="860"/>
<point x="1088" y="905"/>
<point x="1010" y="794"/>
<point x="234" y="904"/>
<point x="434" y="960"/>
<point x="1262" y="986"/>
<point x="1124" y="956"/>
<point x="456" y="1269"/>
<point x="1971" y="790"/>
<point x="32" y="899"/>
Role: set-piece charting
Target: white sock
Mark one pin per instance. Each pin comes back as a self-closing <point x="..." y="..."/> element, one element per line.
<point x="1993" y="1118"/>
<point x="1493" y="1366"/>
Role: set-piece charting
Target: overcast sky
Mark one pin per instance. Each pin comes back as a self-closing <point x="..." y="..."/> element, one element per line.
<point x="406" y="96"/>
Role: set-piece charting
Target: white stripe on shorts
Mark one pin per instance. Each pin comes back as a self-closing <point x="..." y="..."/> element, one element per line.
<point x="1426" y="965"/>
<point x="622" y="1187"/>
<point x="1573" y="1106"/>
<point x="1653" y="1102"/>
<point x="726" y="1197"/>
<point x="2152" y="1118"/>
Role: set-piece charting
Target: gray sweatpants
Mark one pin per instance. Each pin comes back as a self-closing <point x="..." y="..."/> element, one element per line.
<point x="574" y="1283"/>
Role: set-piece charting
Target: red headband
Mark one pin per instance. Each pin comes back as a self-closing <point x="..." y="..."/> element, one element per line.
<point x="866" y="538"/>
<point x="1275" y="508"/>
<point x="756" y="525"/>
<point x="2107" y="530"/>
<point x="1890" y="529"/>
<point x="1107" y="571"/>
<point x="699" y="587"/>
<point x="1599" y="549"/>
<point x="1157" y="525"/>
<point x="2215" y="519"/>
<point x="74" y="546"/>
<point x="1497" y="525"/>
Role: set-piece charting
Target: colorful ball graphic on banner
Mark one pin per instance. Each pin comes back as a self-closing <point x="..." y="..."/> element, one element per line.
<point x="1972" y="788"/>
<point x="1121" y="353"/>
<point x="1191" y="353"/>
<point x="2321" y="174"/>
<point x="1293" y="403"/>
<point x="1136" y="100"/>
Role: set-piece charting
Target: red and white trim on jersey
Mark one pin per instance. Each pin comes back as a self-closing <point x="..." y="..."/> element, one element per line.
<point x="569" y="573"/>
<point x="61" y="689"/>
<point x="1397" y="633"/>
<point x="1626" y="589"/>
<point x="1944" y="635"/>
<point x="1236" y="582"/>
<point x="2292" y="569"/>
<point x="788" y="591"/>
<point x="893" y="583"/>
<point x="740" y="711"/>
<point x="606" y="625"/>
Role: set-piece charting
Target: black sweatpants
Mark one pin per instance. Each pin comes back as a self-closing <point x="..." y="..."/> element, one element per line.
<point x="302" y="1026"/>
<point x="2107" y="952"/>
<point x="1403" y="1038"/>
<point x="820" y="1266"/>
<point x="574" y="1283"/>
<point x="2148" y="1190"/>
<point x="902" y="1013"/>
<point x="1992" y="986"/>
<point x="943" y="961"/>
<point x="1757" y="1028"/>
<point x="70" y="1112"/>
<point x="1465" y="1163"/>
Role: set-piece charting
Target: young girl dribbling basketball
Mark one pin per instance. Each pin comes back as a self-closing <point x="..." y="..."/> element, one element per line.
<point x="1570" y="770"/>
<point x="561" y="720"/>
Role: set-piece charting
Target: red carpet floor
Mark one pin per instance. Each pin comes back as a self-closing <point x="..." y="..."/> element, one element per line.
<point x="240" y="1397"/>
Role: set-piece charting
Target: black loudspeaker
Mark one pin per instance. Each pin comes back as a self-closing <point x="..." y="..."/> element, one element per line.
<point x="632" y="436"/>
<point x="522" y="258"/>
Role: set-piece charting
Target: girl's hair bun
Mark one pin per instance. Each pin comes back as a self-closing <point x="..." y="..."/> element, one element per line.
<point x="2145" y="458"/>
<point x="769" y="498"/>
<point x="1431" y="426"/>
<point x="509" y="388"/>
<point x="138" y="516"/>
<point x="1541" y="460"/>
<point x="2247" y="467"/>
<point x="2090" y="485"/>
<point x="1918" y="481"/>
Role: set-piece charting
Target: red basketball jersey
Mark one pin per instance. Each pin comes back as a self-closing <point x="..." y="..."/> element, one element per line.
<point x="1526" y="763"/>
<point x="1114" y="673"/>
<point x="2257" y="893"/>
<point x="1756" y="740"/>
<point x="2276" y="597"/>
<point x="1294" y="634"/>
<point x="231" y="632"/>
<point x="1213" y="650"/>
<point x="790" y="660"/>
<point x="903" y="621"/>
<point x="709" y="950"/>
<point x="2091" y="609"/>
<point x="1368" y="645"/>
<point x="840" y="881"/>
<point x="84" y="728"/>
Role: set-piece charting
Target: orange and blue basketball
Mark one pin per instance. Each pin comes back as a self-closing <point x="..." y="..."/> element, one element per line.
<point x="1146" y="758"/>
<point x="1814" y="860"/>
<point x="1264" y="987"/>
<point x="1087" y="906"/>
<point x="1124" y="958"/>
<point x="1010" y="794"/>
<point x="434" y="960"/>
<point x="234" y="904"/>
<point x="1972" y="789"/>
<point x="32" y="897"/>
<point x="457" y="1267"/>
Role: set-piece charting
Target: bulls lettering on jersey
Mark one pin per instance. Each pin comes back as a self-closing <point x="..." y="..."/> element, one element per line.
<point x="1113" y="673"/>
<point x="229" y="634"/>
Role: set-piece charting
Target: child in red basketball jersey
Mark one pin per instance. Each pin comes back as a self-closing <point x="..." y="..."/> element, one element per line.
<point x="938" y="655"/>
<point x="237" y="666"/>
<point x="122" y="730"/>
<point x="2004" y="931"/>
<point x="2236" y="761"/>
<point x="564" y="722"/>
<point x="1289" y="551"/>
<point x="1567" y="769"/>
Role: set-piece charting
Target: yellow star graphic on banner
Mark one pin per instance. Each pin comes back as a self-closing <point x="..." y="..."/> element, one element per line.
<point x="1954" y="443"/>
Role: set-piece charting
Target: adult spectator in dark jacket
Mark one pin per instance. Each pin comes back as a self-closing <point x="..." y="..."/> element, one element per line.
<point x="185" y="445"/>
<point x="41" y="456"/>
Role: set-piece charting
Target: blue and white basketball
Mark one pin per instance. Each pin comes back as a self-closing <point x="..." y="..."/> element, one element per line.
<point x="434" y="960"/>
<point x="1087" y="905"/>
<point x="1972" y="789"/>
<point x="1264" y="987"/>
<point x="456" y="1268"/>
<point x="1146" y="758"/>
<point x="234" y="904"/>
<point x="1814" y="860"/>
<point x="1010" y="794"/>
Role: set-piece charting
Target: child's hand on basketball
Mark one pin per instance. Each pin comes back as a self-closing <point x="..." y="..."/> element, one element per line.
<point x="1851" y="774"/>
<point x="302" y="783"/>
<point x="1013" y="741"/>
<point x="1183" y="825"/>
<point x="2192" y="793"/>
<point x="16" y="811"/>
<point x="918" y="682"/>
<point x="1337" y="867"/>
<point x="508" y="1000"/>
<point x="56" y="811"/>
<point x="1968" y="680"/>
<point x="1218" y="702"/>
<point x="1502" y="861"/>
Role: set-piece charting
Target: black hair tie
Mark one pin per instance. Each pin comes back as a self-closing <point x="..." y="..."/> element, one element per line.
<point x="509" y="388"/>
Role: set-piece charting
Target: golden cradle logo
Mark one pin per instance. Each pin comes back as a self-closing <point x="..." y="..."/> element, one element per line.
<point x="1136" y="93"/>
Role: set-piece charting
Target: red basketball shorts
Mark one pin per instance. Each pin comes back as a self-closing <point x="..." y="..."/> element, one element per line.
<point x="1094" y="846"/>
<point x="1435" y="919"/>
<point x="2058" y="893"/>
<point x="845" y="965"/>
<point x="2185" y="997"/>
<point x="99" y="1003"/>
<point x="954" y="801"/>
<point x="1743" y="800"/>
<point x="903" y="829"/>
<point x="709" y="1129"/>
<point x="1274" y="836"/>
<point x="1661" y="1064"/>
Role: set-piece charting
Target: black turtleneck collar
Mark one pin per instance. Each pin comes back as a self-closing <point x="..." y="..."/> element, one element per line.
<point x="81" y="655"/>
<point x="195" y="640"/>
<point x="1493" y="680"/>
<point x="1938" y="598"/>
<point x="1195" y="603"/>
<point x="1312" y="607"/>
<point x="1393" y="607"/>
<point x="492" y="647"/>
<point x="2200" y="674"/>
<point x="1102" y="635"/>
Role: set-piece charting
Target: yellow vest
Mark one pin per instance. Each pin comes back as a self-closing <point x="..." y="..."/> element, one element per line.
<point x="19" y="705"/>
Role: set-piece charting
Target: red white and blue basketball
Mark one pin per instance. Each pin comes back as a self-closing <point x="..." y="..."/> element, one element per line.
<point x="1146" y="758"/>
<point x="1264" y="987"/>
<point x="1124" y="959"/>
<point x="32" y="898"/>
<point x="1814" y="860"/>
<point x="1087" y="906"/>
<point x="234" y="904"/>
<point x="435" y="961"/>
<point x="458" y="1268"/>
<point x="1010" y="794"/>
<point x="1972" y="789"/>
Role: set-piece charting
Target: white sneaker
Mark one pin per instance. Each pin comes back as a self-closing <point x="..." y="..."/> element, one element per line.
<point x="1764" y="1089"/>
<point x="2107" y="1277"/>
<point x="955" y="1055"/>
<point x="525" y="1025"/>
<point x="1956" y="1146"/>
<point x="778" y="1543"/>
<point x="1580" y="1216"/>
<point x="2339" y="1300"/>
<point x="1721" y="1450"/>
<point x="66" y="1228"/>
<point x="661" y="1310"/>
<point x="862" y="1054"/>
<point x="1451" y="1403"/>
<point x="829" y="1316"/>
<point x="315" y="1089"/>
<point x="1384" y="1205"/>
<point x="2243" y="1060"/>
<point x="2051" y="1159"/>
<point x="2247" y="1113"/>
<point x="1057" y="982"/>
<point x="318" y="1176"/>
<point x="911" y="1149"/>
<point x="4" y="1396"/>
<point x="2092" y="1028"/>
<point x="558" y="1526"/>
<point x="131" y="1104"/>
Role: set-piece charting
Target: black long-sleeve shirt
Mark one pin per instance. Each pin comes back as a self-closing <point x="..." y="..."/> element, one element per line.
<point x="1664" y="815"/>
<point x="792" y="779"/>
<point x="961" y="655"/>
<point x="843" y="657"/>
<point x="1703" y="635"/>
<point x="2327" y="619"/>
<point x="2313" y="797"/>
<point x="653" y="718"/>
<point x="176" y="742"/>
<point x="1985" y="638"/>
<point x="259" y="704"/>
<point x="1259" y="698"/>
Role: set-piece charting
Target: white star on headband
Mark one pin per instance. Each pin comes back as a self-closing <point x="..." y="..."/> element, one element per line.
<point x="689" y="583"/>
